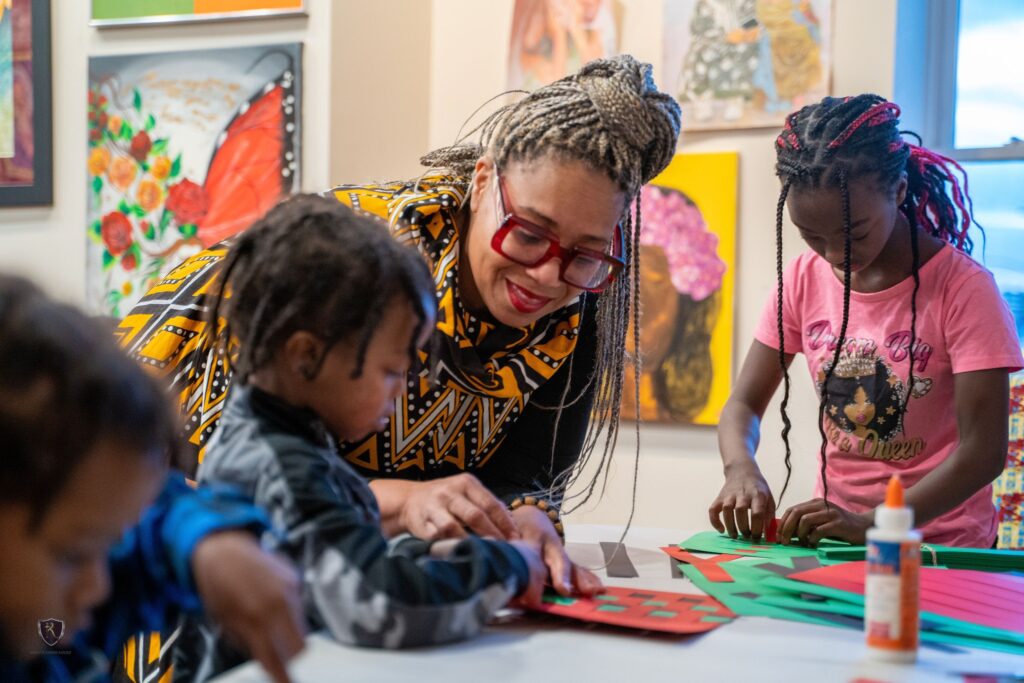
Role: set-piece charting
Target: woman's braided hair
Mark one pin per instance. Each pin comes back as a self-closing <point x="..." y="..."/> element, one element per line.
<point x="830" y="144"/>
<point x="612" y="117"/>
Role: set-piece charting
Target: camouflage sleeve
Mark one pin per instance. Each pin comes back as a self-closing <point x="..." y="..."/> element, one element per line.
<point x="368" y="593"/>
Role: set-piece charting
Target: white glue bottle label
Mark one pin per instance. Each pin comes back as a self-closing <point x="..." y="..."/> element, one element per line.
<point x="891" y="612"/>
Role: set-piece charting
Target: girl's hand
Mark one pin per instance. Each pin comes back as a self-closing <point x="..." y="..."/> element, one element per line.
<point x="745" y="505"/>
<point x="567" y="578"/>
<point x="813" y="521"/>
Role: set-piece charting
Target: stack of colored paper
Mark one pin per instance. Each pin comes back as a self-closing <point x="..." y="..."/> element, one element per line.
<point x="983" y="559"/>
<point x="959" y="607"/>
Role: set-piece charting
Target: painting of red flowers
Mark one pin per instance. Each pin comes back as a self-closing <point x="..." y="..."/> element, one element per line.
<point x="185" y="149"/>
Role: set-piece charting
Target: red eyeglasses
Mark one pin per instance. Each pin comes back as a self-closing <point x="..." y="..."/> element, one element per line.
<point x="528" y="244"/>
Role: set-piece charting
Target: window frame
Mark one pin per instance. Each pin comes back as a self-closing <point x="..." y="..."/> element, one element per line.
<point x="927" y="42"/>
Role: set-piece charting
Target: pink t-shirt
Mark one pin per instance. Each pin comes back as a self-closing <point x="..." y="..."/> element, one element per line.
<point x="963" y="325"/>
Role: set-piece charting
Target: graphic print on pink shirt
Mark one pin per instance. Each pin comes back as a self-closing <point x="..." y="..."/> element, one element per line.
<point x="863" y="410"/>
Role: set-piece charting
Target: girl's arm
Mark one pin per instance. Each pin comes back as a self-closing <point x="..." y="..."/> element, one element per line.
<point x="745" y="504"/>
<point x="982" y="405"/>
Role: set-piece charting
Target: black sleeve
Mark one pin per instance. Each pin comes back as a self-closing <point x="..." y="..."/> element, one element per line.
<point x="523" y="462"/>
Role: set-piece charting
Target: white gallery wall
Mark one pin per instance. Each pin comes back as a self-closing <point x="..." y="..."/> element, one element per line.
<point x="387" y="80"/>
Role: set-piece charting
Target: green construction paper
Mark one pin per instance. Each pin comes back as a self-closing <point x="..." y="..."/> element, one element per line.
<point x="947" y="624"/>
<point x="714" y="542"/>
<point x="779" y="598"/>
<point x="717" y="620"/>
<point x="725" y="593"/>
<point x="983" y="559"/>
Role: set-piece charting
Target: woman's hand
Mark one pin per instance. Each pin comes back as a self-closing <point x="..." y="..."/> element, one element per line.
<point x="745" y="504"/>
<point x="263" y="612"/>
<point x="813" y="521"/>
<point x="442" y="508"/>
<point x="567" y="578"/>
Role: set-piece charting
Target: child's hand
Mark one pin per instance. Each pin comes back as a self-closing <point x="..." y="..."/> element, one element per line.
<point x="253" y="595"/>
<point x="531" y="597"/>
<point x="566" y="577"/>
<point x="812" y="521"/>
<point x="745" y="505"/>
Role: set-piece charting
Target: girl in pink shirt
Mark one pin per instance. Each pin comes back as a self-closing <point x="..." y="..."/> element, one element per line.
<point x="906" y="337"/>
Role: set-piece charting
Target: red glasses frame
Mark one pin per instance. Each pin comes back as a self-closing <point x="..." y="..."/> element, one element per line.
<point x="508" y="221"/>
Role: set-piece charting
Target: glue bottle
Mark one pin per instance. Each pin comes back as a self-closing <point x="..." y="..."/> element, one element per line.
<point x="891" y="614"/>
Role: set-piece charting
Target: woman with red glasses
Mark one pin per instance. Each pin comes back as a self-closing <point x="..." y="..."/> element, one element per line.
<point x="529" y="233"/>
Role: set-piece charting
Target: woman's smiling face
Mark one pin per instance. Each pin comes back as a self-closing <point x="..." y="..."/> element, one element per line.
<point x="575" y="203"/>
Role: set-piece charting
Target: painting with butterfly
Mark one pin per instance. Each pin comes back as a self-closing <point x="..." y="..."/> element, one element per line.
<point x="185" y="149"/>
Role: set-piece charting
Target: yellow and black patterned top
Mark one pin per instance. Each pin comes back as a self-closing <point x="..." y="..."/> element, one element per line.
<point x="463" y="405"/>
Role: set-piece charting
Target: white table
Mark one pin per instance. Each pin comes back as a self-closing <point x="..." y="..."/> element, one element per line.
<point x="543" y="650"/>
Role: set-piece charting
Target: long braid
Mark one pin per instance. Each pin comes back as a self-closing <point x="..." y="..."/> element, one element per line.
<point x="844" y="189"/>
<point x="915" y="251"/>
<point x="787" y="425"/>
<point x="612" y="117"/>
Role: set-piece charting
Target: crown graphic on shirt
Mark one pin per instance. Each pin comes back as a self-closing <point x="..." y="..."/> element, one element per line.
<point x="856" y="363"/>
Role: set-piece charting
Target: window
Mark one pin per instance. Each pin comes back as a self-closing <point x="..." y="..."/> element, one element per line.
<point x="958" y="81"/>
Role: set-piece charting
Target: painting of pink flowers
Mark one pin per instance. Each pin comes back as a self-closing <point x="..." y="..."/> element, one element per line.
<point x="185" y="149"/>
<point x="687" y="283"/>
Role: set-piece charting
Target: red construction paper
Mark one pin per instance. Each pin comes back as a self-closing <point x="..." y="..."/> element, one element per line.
<point x="985" y="598"/>
<point x="772" y="532"/>
<point x="643" y="609"/>
<point x="709" y="567"/>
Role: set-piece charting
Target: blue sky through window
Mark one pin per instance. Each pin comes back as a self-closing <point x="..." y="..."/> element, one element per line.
<point x="990" y="91"/>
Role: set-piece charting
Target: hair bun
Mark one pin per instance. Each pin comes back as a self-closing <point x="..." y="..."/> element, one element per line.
<point x="633" y="109"/>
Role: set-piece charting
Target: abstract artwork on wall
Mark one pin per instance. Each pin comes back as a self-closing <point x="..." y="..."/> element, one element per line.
<point x="134" y="12"/>
<point x="25" y="118"/>
<point x="746" y="63"/>
<point x="185" y="149"/>
<point x="554" y="38"/>
<point x="687" y="282"/>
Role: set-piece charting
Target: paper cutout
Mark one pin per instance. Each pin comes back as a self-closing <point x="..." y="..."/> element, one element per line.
<point x="618" y="564"/>
<point x="772" y="532"/>
<point x="986" y="598"/>
<point x="642" y="609"/>
<point x="985" y="559"/>
<point x="714" y="542"/>
<point x="708" y="566"/>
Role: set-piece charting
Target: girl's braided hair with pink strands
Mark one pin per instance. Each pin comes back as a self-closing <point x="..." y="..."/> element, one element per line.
<point x="828" y="144"/>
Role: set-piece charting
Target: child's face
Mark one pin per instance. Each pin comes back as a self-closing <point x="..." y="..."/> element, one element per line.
<point x="59" y="570"/>
<point x="818" y="215"/>
<point x="351" y="407"/>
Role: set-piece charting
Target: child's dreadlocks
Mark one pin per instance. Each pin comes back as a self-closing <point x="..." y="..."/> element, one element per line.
<point x="313" y="264"/>
<point x="831" y="143"/>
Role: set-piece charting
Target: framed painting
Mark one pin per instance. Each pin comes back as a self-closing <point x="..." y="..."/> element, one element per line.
<point x="185" y="149"/>
<point x="135" y="12"/>
<point x="687" y="285"/>
<point x="551" y="39"/>
<point x="746" y="63"/>
<point x="26" y="154"/>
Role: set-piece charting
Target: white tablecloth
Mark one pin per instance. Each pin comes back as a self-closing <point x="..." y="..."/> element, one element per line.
<point x="543" y="650"/>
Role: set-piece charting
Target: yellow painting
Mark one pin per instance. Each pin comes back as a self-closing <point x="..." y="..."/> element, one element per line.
<point x="687" y="289"/>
